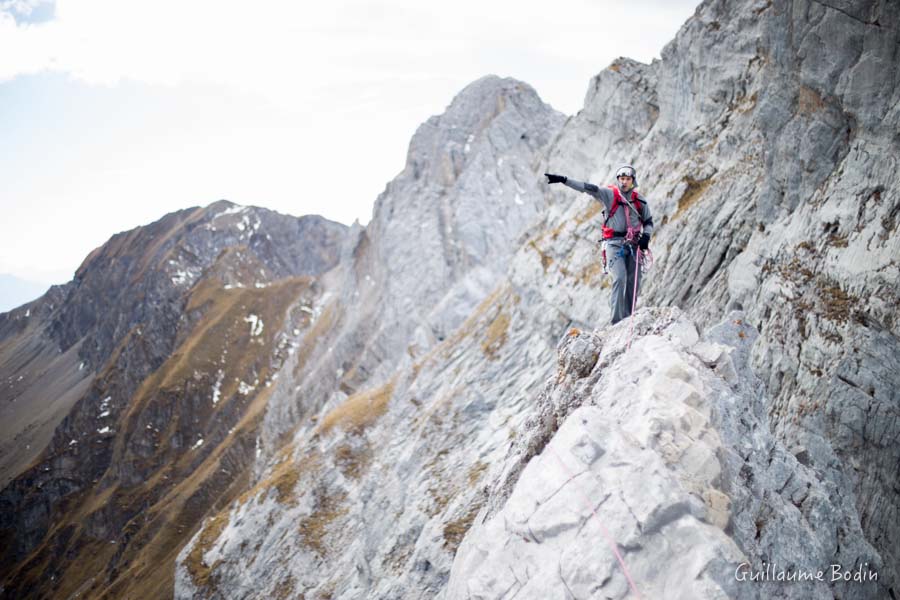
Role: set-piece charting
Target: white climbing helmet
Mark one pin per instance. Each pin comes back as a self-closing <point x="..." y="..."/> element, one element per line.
<point x="628" y="171"/>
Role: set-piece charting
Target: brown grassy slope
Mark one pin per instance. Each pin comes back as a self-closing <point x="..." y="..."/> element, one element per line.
<point x="159" y="485"/>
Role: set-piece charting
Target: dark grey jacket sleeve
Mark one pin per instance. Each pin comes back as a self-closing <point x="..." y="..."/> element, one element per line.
<point x="582" y="186"/>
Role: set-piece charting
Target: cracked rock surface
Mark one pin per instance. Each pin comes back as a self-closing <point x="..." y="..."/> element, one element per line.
<point x="666" y="473"/>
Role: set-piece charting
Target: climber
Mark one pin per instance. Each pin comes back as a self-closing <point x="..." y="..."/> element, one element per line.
<point x="624" y="231"/>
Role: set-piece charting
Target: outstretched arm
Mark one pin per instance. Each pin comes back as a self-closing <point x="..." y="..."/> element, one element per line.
<point x="581" y="186"/>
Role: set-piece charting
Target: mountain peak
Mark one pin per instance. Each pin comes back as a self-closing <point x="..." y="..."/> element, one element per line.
<point x="400" y="424"/>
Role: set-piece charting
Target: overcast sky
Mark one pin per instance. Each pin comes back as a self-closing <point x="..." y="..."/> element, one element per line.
<point x="116" y="112"/>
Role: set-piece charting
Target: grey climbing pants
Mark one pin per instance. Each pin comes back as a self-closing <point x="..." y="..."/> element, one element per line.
<point x="621" y="259"/>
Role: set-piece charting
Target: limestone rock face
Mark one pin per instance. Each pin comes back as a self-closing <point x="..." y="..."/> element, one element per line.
<point x="439" y="241"/>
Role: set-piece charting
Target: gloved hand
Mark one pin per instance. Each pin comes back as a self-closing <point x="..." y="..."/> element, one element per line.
<point x="644" y="241"/>
<point x="551" y="178"/>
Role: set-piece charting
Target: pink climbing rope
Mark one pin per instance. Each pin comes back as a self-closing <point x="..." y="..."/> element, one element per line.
<point x="612" y="544"/>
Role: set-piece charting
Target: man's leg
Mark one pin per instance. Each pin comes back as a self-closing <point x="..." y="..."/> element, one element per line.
<point x="618" y="270"/>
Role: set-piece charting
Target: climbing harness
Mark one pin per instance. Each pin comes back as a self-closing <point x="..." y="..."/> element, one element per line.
<point x="608" y="232"/>
<point x="630" y="234"/>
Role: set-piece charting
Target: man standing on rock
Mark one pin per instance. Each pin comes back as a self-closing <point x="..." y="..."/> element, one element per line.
<point x="626" y="228"/>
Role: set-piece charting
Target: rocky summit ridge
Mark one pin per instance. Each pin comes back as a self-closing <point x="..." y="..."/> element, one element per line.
<point x="651" y="471"/>
<point x="435" y="408"/>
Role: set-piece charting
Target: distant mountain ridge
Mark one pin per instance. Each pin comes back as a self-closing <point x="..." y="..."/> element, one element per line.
<point x="105" y="409"/>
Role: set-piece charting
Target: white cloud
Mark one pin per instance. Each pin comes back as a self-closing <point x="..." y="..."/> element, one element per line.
<point x="292" y="52"/>
<point x="300" y="107"/>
